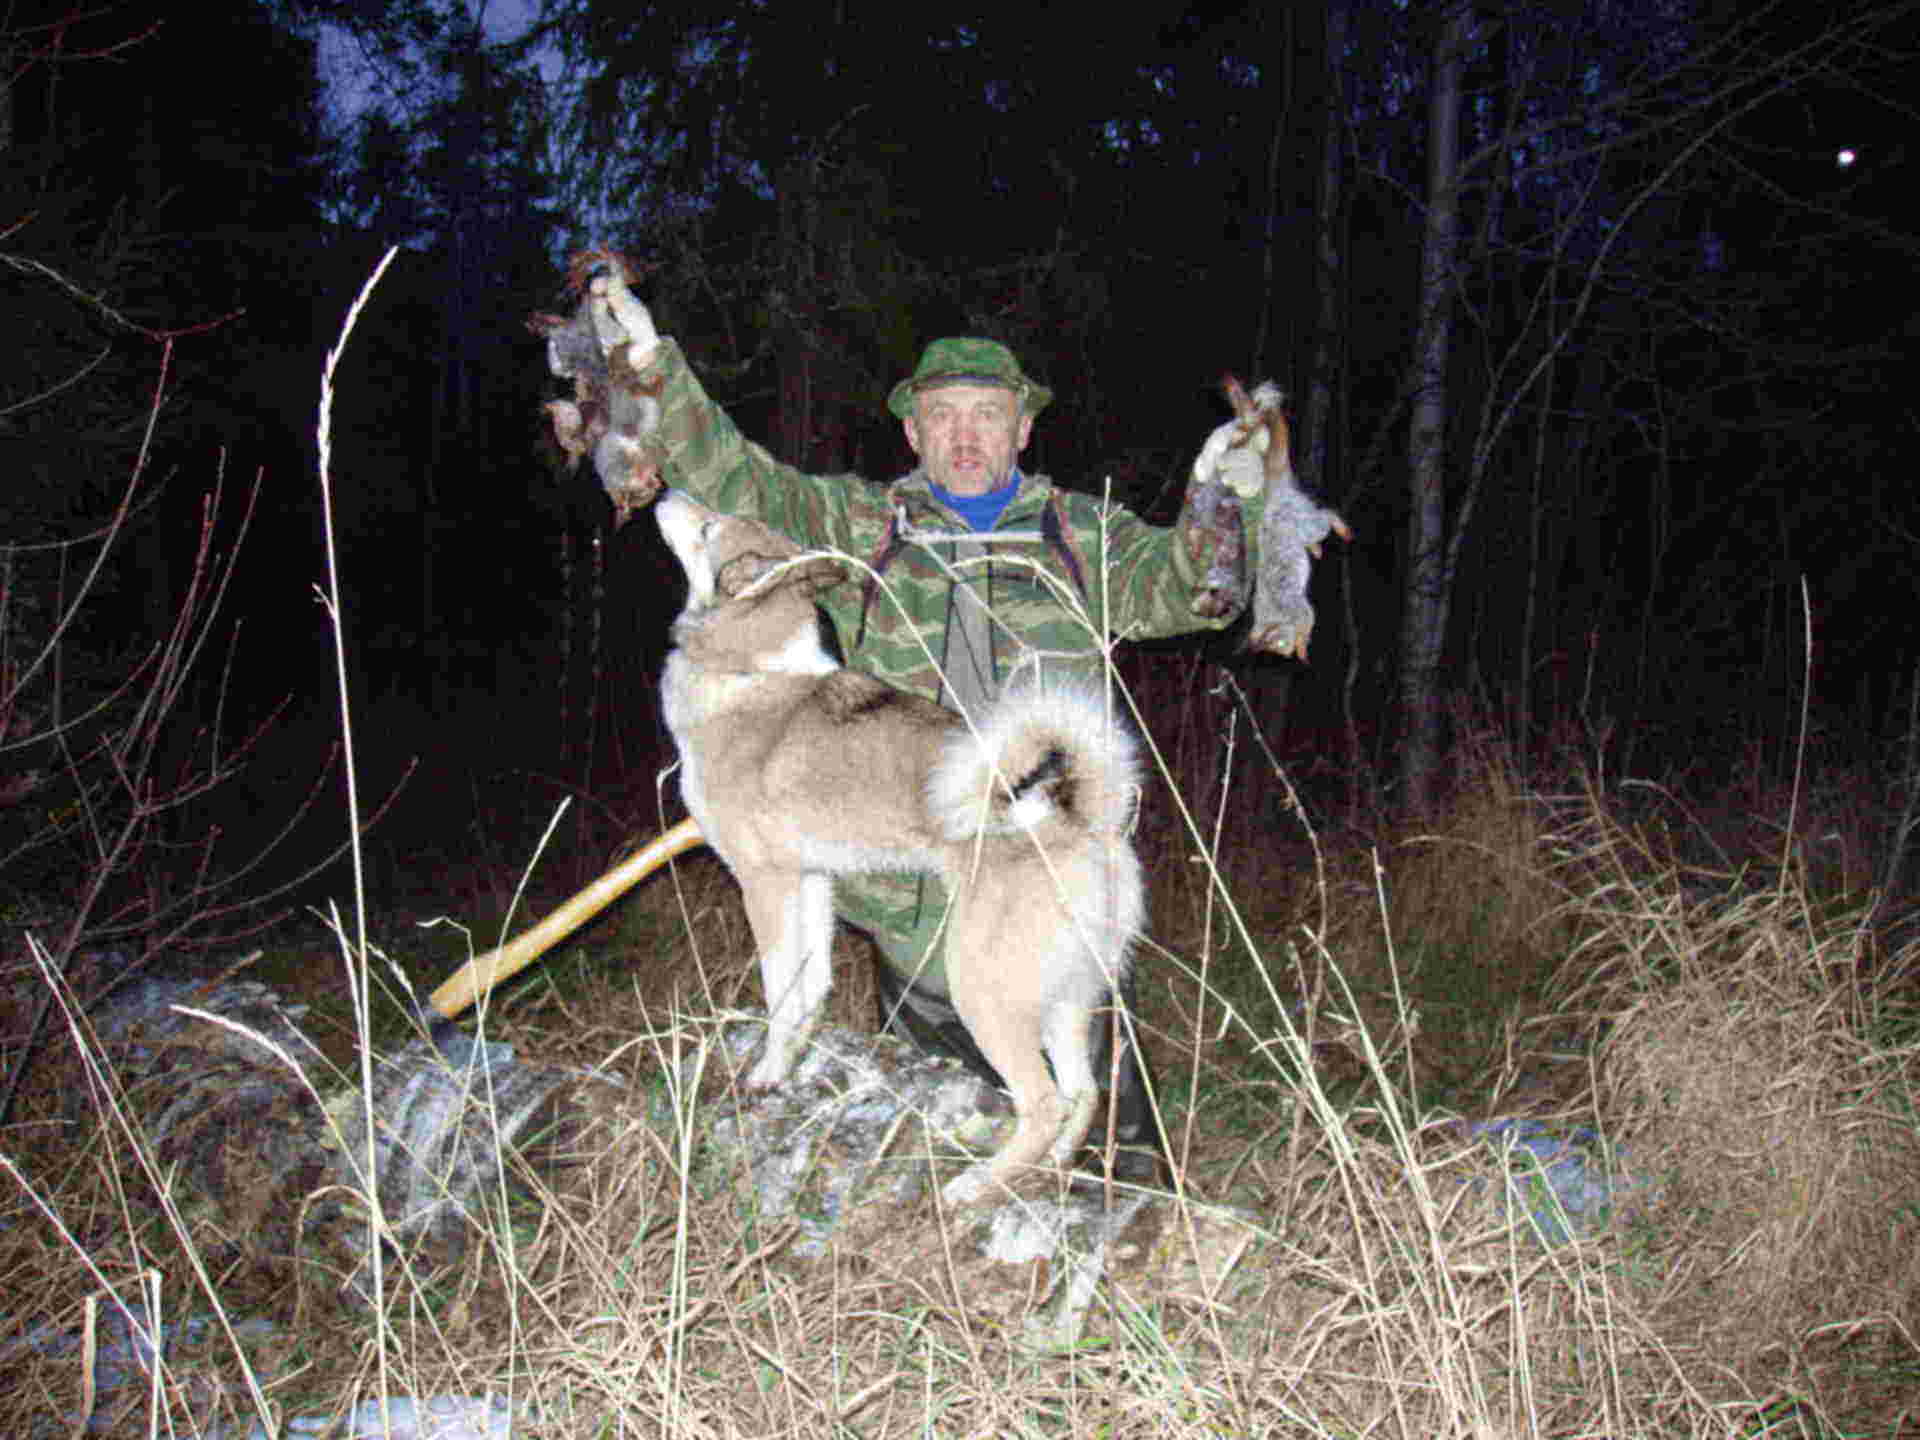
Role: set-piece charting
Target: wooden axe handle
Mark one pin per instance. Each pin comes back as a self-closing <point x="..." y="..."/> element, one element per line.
<point x="483" y="972"/>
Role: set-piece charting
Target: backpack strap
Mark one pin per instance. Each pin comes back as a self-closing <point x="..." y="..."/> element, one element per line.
<point x="1057" y="531"/>
<point x="884" y="554"/>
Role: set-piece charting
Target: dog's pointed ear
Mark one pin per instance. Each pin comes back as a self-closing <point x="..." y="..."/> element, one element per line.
<point x="741" y="571"/>
<point x="744" y="571"/>
<point x="821" y="573"/>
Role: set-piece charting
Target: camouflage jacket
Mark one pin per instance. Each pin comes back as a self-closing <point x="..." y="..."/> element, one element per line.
<point x="1058" y="570"/>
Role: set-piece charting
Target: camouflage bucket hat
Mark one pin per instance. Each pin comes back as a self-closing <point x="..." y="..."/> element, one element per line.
<point x="967" y="361"/>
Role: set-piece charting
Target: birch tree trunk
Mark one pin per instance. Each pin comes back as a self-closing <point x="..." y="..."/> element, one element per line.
<point x="1429" y="569"/>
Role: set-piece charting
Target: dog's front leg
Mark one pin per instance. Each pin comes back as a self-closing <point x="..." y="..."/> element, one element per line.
<point x="792" y="919"/>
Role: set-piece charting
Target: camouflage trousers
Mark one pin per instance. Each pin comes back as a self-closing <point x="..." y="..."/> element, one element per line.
<point x="902" y="915"/>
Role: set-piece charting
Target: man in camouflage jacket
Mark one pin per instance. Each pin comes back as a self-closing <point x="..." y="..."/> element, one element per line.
<point x="973" y="567"/>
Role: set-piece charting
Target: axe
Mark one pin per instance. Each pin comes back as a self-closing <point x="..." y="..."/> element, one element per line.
<point x="483" y="972"/>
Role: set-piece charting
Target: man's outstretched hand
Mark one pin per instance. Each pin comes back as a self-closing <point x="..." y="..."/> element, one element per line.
<point x="603" y="347"/>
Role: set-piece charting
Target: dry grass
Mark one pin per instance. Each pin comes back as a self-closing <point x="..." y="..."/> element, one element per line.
<point x="1729" y="1041"/>
<point x="1760" y="1061"/>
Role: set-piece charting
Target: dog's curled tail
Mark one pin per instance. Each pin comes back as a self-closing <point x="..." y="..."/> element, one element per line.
<point x="1051" y="758"/>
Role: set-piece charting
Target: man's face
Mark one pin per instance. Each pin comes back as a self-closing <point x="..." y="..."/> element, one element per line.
<point x="968" y="436"/>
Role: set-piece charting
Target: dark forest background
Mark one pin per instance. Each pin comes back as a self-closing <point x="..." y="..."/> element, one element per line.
<point x="1596" y="319"/>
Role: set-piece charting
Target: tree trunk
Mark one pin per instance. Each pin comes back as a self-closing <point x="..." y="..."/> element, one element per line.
<point x="1311" y="457"/>
<point x="1326" y="338"/>
<point x="1522" y="723"/>
<point x="1429" y="571"/>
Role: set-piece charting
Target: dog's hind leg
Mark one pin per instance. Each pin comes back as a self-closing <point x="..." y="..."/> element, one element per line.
<point x="792" y="919"/>
<point x="1011" y="1026"/>
<point x="1040" y="1113"/>
<point x="1069" y="1041"/>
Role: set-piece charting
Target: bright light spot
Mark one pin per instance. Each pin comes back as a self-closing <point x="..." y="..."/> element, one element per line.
<point x="1844" y="158"/>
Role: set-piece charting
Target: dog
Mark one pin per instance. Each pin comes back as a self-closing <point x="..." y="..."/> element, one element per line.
<point x="799" y="769"/>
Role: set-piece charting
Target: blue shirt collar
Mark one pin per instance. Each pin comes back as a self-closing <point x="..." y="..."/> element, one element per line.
<point x="981" y="512"/>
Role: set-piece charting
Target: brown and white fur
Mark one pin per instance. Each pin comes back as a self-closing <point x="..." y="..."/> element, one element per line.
<point x="798" y="770"/>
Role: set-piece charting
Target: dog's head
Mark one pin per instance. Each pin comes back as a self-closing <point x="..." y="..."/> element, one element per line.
<point x="728" y="558"/>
